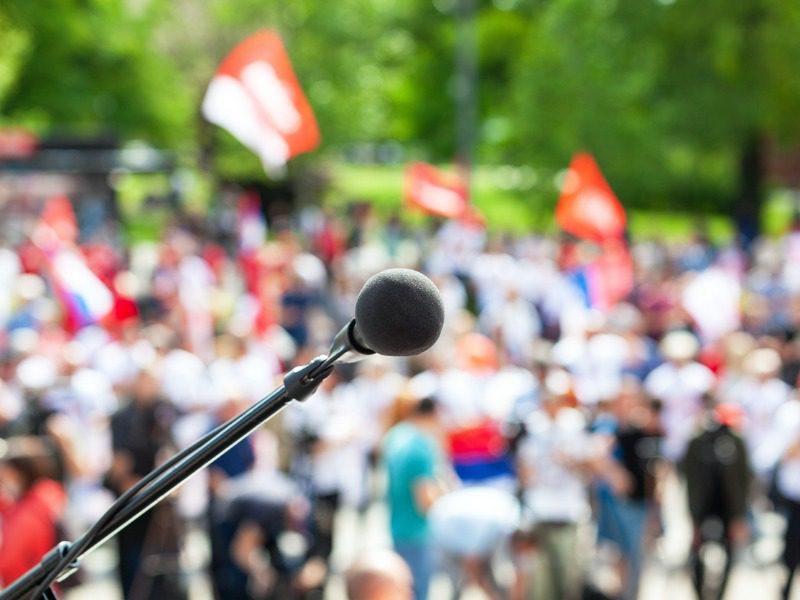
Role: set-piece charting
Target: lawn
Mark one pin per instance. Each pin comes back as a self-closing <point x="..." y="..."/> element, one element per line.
<point x="513" y="201"/>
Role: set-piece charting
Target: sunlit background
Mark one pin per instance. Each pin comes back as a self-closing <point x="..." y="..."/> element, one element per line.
<point x="148" y="250"/>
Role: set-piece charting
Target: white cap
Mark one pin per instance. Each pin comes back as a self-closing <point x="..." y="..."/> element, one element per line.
<point x="679" y="346"/>
<point x="37" y="373"/>
<point x="763" y="361"/>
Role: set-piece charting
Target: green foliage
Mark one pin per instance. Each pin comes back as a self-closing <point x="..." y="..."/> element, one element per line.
<point x="91" y="66"/>
<point x="664" y="93"/>
<point x="15" y="43"/>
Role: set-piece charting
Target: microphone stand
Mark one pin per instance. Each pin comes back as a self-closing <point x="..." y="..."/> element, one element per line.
<point x="62" y="561"/>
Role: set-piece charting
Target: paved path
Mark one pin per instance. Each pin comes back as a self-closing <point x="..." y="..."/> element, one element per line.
<point x="748" y="582"/>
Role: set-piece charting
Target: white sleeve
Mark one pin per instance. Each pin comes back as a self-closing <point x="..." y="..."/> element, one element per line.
<point x="784" y="430"/>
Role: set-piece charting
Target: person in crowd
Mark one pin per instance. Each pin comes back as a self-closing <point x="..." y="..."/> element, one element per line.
<point x="328" y="456"/>
<point x="471" y="526"/>
<point x="469" y="395"/>
<point x="780" y="455"/>
<point x="379" y="575"/>
<point x="679" y="383"/>
<point x="241" y="458"/>
<point x="761" y="395"/>
<point x="251" y="521"/>
<point x="241" y="367"/>
<point x="296" y="302"/>
<point x="735" y="348"/>
<point x="555" y="459"/>
<point x="141" y="438"/>
<point x="412" y="455"/>
<point x="32" y="503"/>
<point x="375" y="387"/>
<point x="789" y="488"/>
<point x="718" y="477"/>
<point x="630" y="473"/>
<point x="512" y="320"/>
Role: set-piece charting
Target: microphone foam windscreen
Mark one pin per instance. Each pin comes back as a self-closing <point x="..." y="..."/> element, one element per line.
<point x="399" y="312"/>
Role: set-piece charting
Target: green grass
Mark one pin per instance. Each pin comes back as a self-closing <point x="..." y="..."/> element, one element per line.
<point x="526" y="206"/>
<point x="513" y="210"/>
<point x="509" y="210"/>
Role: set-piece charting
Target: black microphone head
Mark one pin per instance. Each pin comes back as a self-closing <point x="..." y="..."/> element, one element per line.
<point x="399" y="312"/>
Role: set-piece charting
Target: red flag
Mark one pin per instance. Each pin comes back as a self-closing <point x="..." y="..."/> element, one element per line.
<point x="587" y="207"/>
<point x="612" y="274"/>
<point x="83" y="295"/>
<point x="57" y="224"/>
<point x="17" y="143"/>
<point x="436" y="193"/>
<point x="255" y="96"/>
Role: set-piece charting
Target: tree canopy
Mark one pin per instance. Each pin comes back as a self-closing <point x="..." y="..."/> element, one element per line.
<point x="668" y="94"/>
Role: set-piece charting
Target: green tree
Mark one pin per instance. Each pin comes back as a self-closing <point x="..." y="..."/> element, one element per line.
<point x="675" y="98"/>
<point x="90" y="66"/>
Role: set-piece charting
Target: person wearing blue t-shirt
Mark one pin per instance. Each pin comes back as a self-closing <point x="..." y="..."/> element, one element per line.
<point x="411" y="454"/>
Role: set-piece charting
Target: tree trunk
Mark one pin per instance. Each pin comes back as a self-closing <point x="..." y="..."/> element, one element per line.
<point x="749" y="196"/>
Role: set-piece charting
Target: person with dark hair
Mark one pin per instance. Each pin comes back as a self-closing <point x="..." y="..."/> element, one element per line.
<point x="31" y="506"/>
<point x="789" y="488"/>
<point x="718" y="477"/>
<point x="296" y="301"/>
<point x="628" y="482"/>
<point x="411" y="455"/>
<point x="251" y="520"/>
<point x="147" y="547"/>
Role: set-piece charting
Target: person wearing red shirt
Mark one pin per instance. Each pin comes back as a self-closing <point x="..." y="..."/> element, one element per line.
<point x="31" y="506"/>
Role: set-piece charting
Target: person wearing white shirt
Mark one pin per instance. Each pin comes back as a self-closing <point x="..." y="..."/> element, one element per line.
<point x="781" y="453"/>
<point x="492" y="273"/>
<point x="514" y="321"/>
<point x="185" y="384"/>
<point x="553" y="462"/>
<point x="761" y="394"/>
<point x="243" y="368"/>
<point x="327" y="427"/>
<point x="374" y="390"/>
<point x="680" y="384"/>
<point x="597" y="358"/>
<point x="9" y="270"/>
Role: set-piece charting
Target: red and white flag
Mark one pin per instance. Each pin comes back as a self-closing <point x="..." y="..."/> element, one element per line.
<point x="435" y="192"/>
<point x="588" y="207"/>
<point x="256" y="97"/>
<point x="589" y="210"/>
<point x="84" y="297"/>
<point x="251" y="227"/>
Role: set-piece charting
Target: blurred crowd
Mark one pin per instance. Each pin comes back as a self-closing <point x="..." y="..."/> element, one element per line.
<point x="542" y="428"/>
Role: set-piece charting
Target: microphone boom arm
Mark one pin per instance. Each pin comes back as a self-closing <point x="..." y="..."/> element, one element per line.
<point x="62" y="561"/>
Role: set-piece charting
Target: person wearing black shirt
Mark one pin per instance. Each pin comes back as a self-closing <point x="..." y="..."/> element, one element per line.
<point x="629" y="481"/>
<point x="718" y="477"/>
<point x="261" y="542"/>
<point x="148" y="547"/>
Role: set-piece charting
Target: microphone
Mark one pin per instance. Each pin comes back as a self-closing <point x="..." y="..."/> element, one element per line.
<point x="399" y="312"/>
